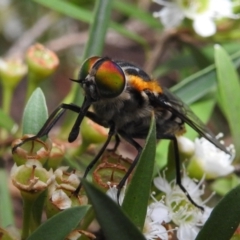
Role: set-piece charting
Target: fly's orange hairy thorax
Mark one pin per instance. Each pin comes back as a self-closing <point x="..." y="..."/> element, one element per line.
<point x="139" y="84"/>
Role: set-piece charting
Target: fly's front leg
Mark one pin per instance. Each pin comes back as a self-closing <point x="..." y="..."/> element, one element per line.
<point x="97" y="157"/>
<point x="51" y="121"/>
<point x="116" y="144"/>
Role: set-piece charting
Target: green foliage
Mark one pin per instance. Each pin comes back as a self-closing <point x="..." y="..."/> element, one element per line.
<point x="136" y="200"/>
<point x="228" y="92"/>
<point x="117" y="226"/>
<point x="201" y="83"/>
<point x="35" y="113"/>
<point x="219" y="227"/>
<point x="59" y="226"/>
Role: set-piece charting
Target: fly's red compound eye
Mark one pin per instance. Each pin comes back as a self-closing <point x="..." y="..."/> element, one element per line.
<point x="110" y="79"/>
<point x="86" y="67"/>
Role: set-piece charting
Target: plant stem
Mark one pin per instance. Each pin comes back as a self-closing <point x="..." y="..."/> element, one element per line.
<point x="82" y="148"/>
<point x="27" y="211"/>
<point x="7" y="98"/>
<point x="32" y="84"/>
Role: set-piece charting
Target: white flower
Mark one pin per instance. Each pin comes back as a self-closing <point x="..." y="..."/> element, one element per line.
<point x="176" y="208"/>
<point x="202" y="13"/>
<point x="185" y="145"/>
<point x="153" y="230"/>
<point x="61" y="200"/>
<point x="210" y="160"/>
<point x="113" y="191"/>
<point x="159" y="212"/>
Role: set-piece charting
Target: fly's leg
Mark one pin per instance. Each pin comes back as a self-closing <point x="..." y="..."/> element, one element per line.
<point x="178" y="170"/>
<point x="51" y="121"/>
<point x="177" y="165"/>
<point x="95" y="160"/>
<point x="117" y="142"/>
<point x="134" y="163"/>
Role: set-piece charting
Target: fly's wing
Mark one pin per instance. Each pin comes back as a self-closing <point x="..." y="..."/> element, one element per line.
<point x="180" y="109"/>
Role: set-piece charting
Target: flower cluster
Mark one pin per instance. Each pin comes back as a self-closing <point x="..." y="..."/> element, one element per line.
<point x="174" y="212"/>
<point x="202" y="13"/>
<point x="60" y="193"/>
<point x="206" y="159"/>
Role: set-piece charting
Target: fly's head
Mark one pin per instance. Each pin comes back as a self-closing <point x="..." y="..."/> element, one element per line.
<point x="101" y="78"/>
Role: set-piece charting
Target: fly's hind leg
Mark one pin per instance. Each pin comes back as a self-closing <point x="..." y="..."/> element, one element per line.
<point x="178" y="169"/>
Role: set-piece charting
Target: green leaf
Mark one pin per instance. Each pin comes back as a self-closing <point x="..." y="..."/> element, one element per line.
<point x="60" y="225"/>
<point x="136" y="199"/>
<point x="203" y="110"/>
<point x="115" y="224"/>
<point x="201" y="83"/>
<point x="224" y="218"/>
<point x="35" y="113"/>
<point x="99" y="27"/>
<point x="229" y="89"/>
<point x="6" y="122"/>
<point x="196" y="86"/>
<point x="68" y="8"/>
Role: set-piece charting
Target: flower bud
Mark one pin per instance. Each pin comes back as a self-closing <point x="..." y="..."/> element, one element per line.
<point x="56" y="156"/>
<point x="61" y="193"/>
<point x="112" y="157"/>
<point x="92" y="132"/>
<point x="11" y="72"/>
<point x="186" y="147"/>
<point x="210" y="161"/>
<point x="111" y="170"/>
<point x="42" y="62"/>
<point x="31" y="178"/>
<point x="34" y="149"/>
<point x="57" y="202"/>
<point x="66" y="180"/>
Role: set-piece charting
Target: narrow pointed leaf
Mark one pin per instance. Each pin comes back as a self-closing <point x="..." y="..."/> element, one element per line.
<point x="229" y="90"/>
<point x="224" y="218"/>
<point x="136" y="200"/>
<point x="114" y="223"/>
<point x="35" y="113"/>
<point x="60" y="225"/>
<point x="99" y="27"/>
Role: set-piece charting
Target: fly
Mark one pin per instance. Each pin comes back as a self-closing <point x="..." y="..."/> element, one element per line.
<point x="123" y="98"/>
